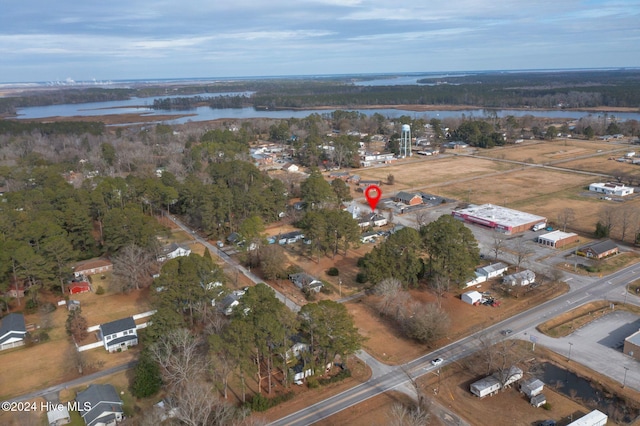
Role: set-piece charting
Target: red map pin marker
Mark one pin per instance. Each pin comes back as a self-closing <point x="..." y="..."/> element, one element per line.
<point x="373" y="194"/>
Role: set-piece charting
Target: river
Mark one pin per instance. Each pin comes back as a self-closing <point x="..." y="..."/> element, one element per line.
<point x="206" y="113"/>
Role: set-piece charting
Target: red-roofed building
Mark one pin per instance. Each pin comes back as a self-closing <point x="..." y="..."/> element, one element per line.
<point x="79" y="287"/>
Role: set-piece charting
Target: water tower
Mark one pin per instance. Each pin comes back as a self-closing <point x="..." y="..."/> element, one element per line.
<point x="405" y="141"/>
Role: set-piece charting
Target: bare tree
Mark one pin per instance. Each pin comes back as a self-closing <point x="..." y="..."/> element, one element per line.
<point x="132" y="267"/>
<point x="195" y="404"/>
<point x="440" y="285"/>
<point x="402" y="415"/>
<point x="498" y="245"/>
<point x="608" y="217"/>
<point x="627" y="217"/>
<point x="426" y="322"/>
<point x="422" y="217"/>
<point x="566" y="217"/>
<point x="388" y="289"/>
<point x="522" y="252"/>
<point x="179" y="355"/>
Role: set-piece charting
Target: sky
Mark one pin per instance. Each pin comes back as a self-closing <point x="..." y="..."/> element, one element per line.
<point x="41" y="40"/>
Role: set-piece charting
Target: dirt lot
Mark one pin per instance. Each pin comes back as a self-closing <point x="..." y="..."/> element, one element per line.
<point x="385" y="341"/>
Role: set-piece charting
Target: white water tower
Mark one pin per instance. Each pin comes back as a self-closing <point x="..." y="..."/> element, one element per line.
<point x="405" y="141"/>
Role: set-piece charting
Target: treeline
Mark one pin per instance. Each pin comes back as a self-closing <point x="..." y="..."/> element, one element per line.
<point x="15" y="127"/>
<point x="189" y="103"/>
<point x="9" y="105"/>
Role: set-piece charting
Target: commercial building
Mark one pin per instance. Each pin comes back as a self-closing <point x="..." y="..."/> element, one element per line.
<point x="611" y="188"/>
<point x="557" y="239"/>
<point x="499" y="218"/>
<point x="632" y="345"/>
<point x="599" y="250"/>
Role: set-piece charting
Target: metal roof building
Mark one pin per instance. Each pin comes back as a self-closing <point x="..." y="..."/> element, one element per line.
<point x="499" y="218"/>
<point x="557" y="239"/>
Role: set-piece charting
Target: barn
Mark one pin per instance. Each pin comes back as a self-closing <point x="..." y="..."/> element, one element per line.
<point x="501" y="219"/>
<point x="557" y="239"/>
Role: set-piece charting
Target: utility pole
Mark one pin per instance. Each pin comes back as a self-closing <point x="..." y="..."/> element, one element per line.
<point x="570" y="346"/>
<point x="624" y="381"/>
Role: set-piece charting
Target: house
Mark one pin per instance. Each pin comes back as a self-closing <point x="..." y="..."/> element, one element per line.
<point x="12" y="331"/>
<point x="100" y="405"/>
<point x="523" y="278"/>
<point x="92" y="266"/>
<point x="172" y="251"/>
<point x="611" y="188"/>
<point x="486" y="386"/>
<point x="532" y="387"/>
<point x="339" y="175"/>
<point x="408" y="198"/>
<point x="456" y="145"/>
<point x="372" y="220"/>
<point x="594" y="418"/>
<point x="354" y="179"/>
<point x="15" y="289"/>
<point x="297" y="348"/>
<point x="76" y="287"/>
<point x="290" y="237"/>
<point x="290" y="168"/>
<point x="471" y="297"/>
<point x="303" y="280"/>
<point x="58" y="415"/>
<point x="369" y="237"/>
<point x="119" y="334"/>
<point x="538" y="400"/>
<point x="599" y="250"/>
<point x="229" y="302"/>
<point x="493" y="270"/>
<point x="366" y="183"/>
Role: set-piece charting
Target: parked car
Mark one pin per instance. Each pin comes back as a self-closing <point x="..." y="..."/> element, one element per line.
<point x="436" y="362"/>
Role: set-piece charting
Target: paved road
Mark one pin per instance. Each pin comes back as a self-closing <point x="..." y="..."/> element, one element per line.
<point x="45" y="393"/>
<point x="456" y="351"/>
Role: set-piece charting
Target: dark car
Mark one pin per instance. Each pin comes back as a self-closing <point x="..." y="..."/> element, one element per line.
<point x="506" y="332"/>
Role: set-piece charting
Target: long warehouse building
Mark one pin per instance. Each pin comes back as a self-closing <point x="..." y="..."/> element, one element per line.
<point x="499" y="218"/>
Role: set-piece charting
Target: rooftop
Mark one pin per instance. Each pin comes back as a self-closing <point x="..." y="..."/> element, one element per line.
<point x="502" y="215"/>
<point x="602" y="246"/>
<point x="117" y="326"/>
<point x="556" y="236"/>
<point x="634" y="338"/>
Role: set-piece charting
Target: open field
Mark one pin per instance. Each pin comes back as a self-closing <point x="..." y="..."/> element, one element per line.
<point x="53" y="361"/>
<point x="422" y="172"/>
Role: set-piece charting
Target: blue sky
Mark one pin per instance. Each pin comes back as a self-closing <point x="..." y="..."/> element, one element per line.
<point x="41" y="40"/>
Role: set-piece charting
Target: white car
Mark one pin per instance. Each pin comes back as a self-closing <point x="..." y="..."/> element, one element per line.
<point x="436" y="362"/>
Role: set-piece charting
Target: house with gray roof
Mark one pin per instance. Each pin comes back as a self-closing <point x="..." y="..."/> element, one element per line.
<point x="119" y="334"/>
<point x="12" y="331"/>
<point x="100" y="405"/>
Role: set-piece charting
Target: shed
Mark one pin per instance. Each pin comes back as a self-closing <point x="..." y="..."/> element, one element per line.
<point x="471" y="297"/>
<point x="531" y="387"/>
<point x="58" y="415"/>
<point x="538" y="400"/>
<point x="79" y="287"/>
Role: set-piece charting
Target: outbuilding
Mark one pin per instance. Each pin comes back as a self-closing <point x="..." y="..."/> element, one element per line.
<point x="471" y="297"/>
<point x="611" y="188"/>
<point x="558" y="239"/>
<point x="538" y="400"/>
<point x="532" y="387"/>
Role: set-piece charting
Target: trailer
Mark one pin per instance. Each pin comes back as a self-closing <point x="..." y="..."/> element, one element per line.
<point x="594" y="418"/>
<point x="539" y="226"/>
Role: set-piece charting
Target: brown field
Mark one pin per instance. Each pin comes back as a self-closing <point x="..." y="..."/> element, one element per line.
<point x="50" y="362"/>
<point x="560" y="149"/>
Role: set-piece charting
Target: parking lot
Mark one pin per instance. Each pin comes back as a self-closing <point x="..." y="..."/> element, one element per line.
<point x="598" y="345"/>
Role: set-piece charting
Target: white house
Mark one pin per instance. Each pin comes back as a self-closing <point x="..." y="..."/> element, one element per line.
<point x="523" y="278"/>
<point x="290" y="167"/>
<point x="594" y="418"/>
<point x="486" y="386"/>
<point x="172" y="251"/>
<point x="532" y="387"/>
<point x="303" y="280"/>
<point x="12" y="331"/>
<point x="493" y="270"/>
<point x="471" y="297"/>
<point x="119" y="334"/>
<point x="611" y="188"/>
